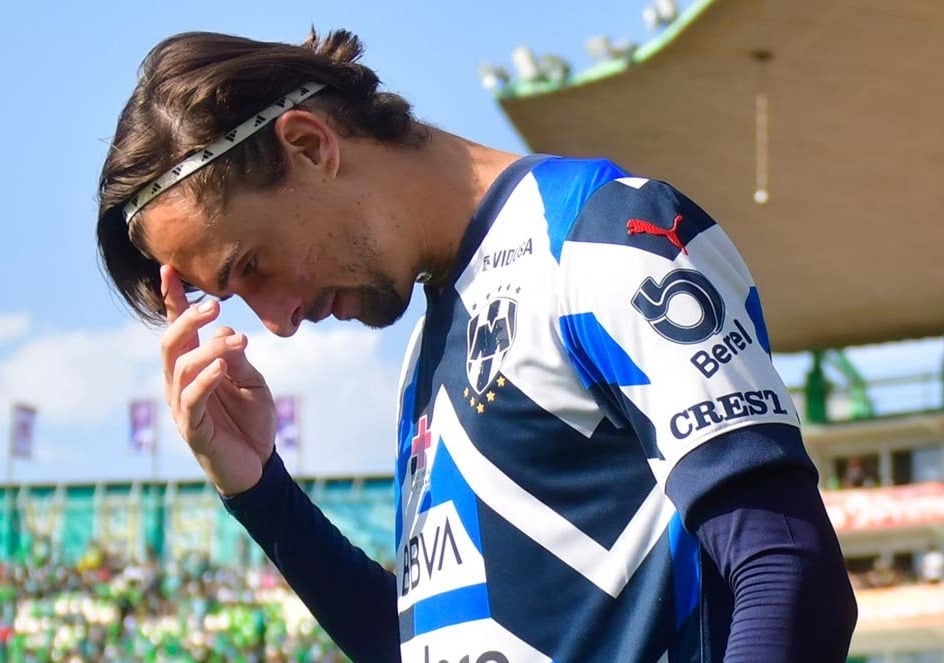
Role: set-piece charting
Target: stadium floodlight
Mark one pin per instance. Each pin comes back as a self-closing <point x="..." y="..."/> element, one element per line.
<point x="650" y="18"/>
<point x="526" y="64"/>
<point x="660" y="13"/>
<point x="666" y="9"/>
<point x="554" y="69"/>
<point x="601" y="49"/>
<point x="493" y="77"/>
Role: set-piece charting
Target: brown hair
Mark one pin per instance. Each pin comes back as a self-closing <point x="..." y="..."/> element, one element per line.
<point x="195" y="86"/>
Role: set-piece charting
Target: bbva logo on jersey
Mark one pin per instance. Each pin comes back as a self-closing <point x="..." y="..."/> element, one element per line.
<point x="489" y="336"/>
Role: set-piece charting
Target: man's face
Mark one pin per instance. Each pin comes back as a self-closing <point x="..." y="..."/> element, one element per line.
<point x="292" y="253"/>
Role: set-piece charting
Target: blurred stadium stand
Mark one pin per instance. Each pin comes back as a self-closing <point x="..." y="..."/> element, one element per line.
<point x="143" y="571"/>
<point x="170" y="519"/>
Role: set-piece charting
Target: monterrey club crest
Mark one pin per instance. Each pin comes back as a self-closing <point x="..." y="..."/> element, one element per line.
<point x="489" y="336"/>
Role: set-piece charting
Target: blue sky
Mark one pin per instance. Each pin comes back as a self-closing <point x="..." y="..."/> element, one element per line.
<point x="66" y="344"/>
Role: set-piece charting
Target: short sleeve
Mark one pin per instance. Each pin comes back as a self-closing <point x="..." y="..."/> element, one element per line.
<point x="663" y="323"/>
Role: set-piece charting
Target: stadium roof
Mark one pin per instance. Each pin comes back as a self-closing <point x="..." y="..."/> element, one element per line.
<point x="848" y="249"/>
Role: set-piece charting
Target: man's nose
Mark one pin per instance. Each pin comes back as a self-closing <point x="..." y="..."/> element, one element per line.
<point x="280" y="315"/>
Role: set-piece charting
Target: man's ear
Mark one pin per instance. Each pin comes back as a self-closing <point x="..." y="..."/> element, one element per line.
<point x="308" y="137"/>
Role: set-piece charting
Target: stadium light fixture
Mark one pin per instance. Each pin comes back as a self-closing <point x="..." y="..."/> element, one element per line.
<point x="650" y="18"/>
<point x="660" y="13"/>
<point x="526" y="65"/>
<point x="548" y="68"/>
<point x="493" y="77"/>
<point x="554" y="69"/>
<point x="667" y="10"/>
<point x="601" y="49"/>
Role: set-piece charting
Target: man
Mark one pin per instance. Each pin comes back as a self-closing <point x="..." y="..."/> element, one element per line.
<point x="596" y="459"/>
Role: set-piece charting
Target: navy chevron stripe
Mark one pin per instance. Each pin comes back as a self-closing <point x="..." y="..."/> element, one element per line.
<point x="656" y="203"/>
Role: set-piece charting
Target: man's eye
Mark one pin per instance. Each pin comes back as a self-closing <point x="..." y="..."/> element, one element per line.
<point x="250" y="267"/>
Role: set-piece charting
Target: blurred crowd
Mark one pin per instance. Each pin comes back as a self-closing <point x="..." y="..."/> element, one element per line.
<point x="879" y="571"/>
<point x="107" y="609"/>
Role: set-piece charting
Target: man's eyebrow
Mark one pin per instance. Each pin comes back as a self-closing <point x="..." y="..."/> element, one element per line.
<point x="222" y="274"/>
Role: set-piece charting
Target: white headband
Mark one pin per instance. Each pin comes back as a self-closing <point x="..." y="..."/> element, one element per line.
<point x="216" y="149"/>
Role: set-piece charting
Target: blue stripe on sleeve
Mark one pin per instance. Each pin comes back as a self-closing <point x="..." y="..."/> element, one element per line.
<point x="597" y="357"/>
<point x="565" y="185"/>
<point x="756" y="313"/>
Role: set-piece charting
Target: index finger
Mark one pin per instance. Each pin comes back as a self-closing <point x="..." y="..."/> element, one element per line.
<point x="172" y="291"/>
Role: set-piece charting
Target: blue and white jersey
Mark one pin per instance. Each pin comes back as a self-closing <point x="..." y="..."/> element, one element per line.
<point x="603" y="327"/>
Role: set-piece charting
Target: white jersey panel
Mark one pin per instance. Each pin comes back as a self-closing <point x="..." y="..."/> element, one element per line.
<point x="439" y="556"/>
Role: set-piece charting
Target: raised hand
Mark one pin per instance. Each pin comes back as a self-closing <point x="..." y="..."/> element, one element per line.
<point x="219" y="401"/>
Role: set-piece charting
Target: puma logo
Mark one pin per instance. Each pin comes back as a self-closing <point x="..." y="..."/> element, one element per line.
<point x="639" y="227"/>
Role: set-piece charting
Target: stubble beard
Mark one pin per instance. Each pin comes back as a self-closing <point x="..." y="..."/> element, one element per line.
<point x="381" y="304"/>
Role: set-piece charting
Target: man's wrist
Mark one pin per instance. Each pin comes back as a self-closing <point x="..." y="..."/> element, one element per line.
<point x="261" y="497"/>
<point x="231" y="481"/>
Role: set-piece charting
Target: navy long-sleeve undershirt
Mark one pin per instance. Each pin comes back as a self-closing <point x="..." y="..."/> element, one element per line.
<point x="353" y="597"/>
<point x="771" y="541"/>
<point x="766" y="533"/>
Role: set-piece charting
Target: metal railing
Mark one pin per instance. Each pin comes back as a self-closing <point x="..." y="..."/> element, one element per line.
<point x="851" y="397"/>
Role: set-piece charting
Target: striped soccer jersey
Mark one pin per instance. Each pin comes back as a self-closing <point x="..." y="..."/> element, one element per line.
<point x="600" y="328"/>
